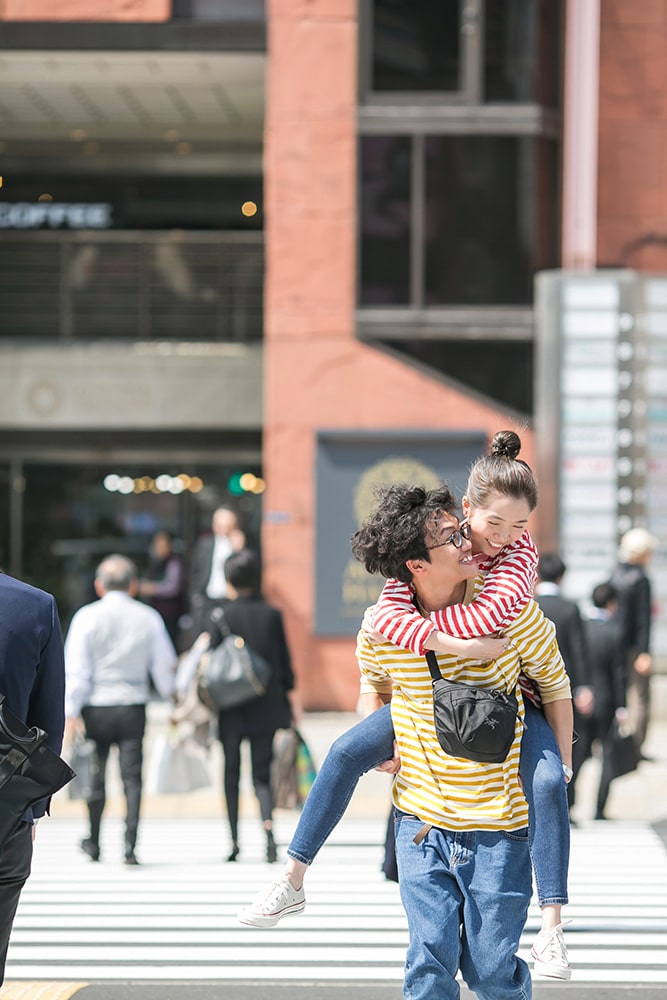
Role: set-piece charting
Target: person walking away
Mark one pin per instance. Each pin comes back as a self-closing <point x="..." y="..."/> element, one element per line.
<point x="566" y="616"/>
<point x="32" y="680"/>
<point x="162" y="586"/>
<point x="605" y="651"/>
<point x="114" y="648"/>
<point x="208" y="587"/>
<point x="249" y="616"/>
<point x="634" y="614"/>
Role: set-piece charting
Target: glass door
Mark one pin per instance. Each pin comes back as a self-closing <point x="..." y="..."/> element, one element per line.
<point x="69" y="515"/>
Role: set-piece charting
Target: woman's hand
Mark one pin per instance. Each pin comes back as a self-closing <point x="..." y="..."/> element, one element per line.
<point x="367" y="627"/>
<point x="483" y="647"/>
<point x="296" y="708"/>
<point x="486" y="647"/>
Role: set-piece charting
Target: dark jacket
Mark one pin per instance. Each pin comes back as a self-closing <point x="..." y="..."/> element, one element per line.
<point x="201" y="567"/>
<point x="262" y="628"/>
<point x="607" y="664"/>
<point x="569" y="635"/>
<point x="32" y="663"/>
<point x="633" y="591"/>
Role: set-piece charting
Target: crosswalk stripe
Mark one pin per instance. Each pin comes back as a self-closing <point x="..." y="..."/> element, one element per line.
<point x="175" y="917"/>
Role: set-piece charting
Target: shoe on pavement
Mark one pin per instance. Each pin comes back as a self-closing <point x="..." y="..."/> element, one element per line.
<point x="273" y="904"/>
<point x="131" y="859"/>
<point x="90" y="848"/>
<point x="550" y="954"/>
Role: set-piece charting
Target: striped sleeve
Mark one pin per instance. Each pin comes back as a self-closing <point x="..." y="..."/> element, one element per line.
<point x="397" y="619"/>
<point x="508" y="586"/>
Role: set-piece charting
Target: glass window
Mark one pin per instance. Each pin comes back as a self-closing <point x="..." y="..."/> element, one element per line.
<point x="385" y="220"/>
<point x="489" y="219"/>
<point x="415" y="45"/>
<point x="500" y="370"/>
<point x="522" y="46"/>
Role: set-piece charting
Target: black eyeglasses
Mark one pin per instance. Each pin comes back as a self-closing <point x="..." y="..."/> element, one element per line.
<point x="455" y="539"/>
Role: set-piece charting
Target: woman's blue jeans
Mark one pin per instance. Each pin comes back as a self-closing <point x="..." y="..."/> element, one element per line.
<point x="466" y="897"/>
<point x="371" y="741"/>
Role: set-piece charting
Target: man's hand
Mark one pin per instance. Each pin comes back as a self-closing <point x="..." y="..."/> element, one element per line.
<point x="393" y="765"/>
<point x="74" y="726"/>
<point x="584" y="700"/>
<point x="643" y="664"/>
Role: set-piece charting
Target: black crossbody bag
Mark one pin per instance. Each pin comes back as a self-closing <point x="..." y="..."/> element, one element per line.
<point x="472" y="722"/>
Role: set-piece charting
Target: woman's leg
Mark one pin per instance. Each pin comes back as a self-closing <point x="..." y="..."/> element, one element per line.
<point x="541" y="771"/>
<point x="360" y="749"/>
<point x="354" y="753"/>
<point x="261" y="754"/>
<point x="230" y="737"/>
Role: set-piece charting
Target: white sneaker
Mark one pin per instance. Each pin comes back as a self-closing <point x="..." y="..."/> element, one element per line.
<point x="550" y="954"/>
<point x="273" y="904"/>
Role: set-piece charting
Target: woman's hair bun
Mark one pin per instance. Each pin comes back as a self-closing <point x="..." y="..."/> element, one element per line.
<point x="505" y="444"/>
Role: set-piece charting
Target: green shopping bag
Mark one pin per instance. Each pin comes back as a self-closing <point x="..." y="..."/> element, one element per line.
<point x="292" y="770"/>
<point x="305" y="769"/>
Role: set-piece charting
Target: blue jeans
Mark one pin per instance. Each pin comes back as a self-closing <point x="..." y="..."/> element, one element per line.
<point x="541" y="770"/>
<point x="466" y="897"/>
<point x="357" y="751"/>
<point x="371" y="741"/>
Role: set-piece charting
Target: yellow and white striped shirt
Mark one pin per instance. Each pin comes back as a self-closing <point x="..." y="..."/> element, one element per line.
<point x="450" y="792"/>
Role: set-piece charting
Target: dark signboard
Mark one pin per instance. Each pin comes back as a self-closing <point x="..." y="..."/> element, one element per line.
<point x="350" y="465"/>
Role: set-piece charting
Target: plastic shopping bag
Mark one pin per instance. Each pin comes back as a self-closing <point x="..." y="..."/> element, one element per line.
<point x="178" y="765"/>
<point x="83" y="760"/>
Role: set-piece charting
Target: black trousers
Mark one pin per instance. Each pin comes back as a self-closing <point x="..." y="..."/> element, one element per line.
<point x="231" y="736"/>
<point x="124" y="726"/>
<point x="15" y="859"/>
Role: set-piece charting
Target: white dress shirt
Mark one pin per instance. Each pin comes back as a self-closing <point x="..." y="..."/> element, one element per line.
<point x="217" y="585"/>
<point x="113" y="647"/>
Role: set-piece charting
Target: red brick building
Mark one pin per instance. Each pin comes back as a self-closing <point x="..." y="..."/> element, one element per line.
<point x="407" y="164"/>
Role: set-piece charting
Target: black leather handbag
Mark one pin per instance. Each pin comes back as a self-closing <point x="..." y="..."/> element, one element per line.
<point x="621" y="749"/>
<point x="29" y="769"/>
<point x="472" y="722"/>
<point x="231" y="673"/>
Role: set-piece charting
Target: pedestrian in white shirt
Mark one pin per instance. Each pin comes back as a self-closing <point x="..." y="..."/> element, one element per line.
<point x="114" y="648"/>
<point x="208" y="586"/>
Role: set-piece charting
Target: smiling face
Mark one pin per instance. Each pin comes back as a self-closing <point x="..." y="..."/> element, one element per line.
<point x="449" y="565"/>
<point x="499" y="524"/>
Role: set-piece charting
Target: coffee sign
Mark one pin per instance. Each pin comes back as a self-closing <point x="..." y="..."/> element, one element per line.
<point x="55" y="215"/>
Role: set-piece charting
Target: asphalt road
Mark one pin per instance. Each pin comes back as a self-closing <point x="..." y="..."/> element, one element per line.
<point x="303" y="991"/>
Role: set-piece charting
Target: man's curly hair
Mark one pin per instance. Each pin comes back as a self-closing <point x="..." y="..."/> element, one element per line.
<point x="400" y="528"/>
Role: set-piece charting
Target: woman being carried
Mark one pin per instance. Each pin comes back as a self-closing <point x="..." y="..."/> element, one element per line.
<point x="500" y="495"/>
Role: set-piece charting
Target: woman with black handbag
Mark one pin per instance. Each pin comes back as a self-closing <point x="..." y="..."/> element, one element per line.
<point x="249" y="616"/>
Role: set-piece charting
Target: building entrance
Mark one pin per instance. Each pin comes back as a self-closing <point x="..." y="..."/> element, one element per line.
<point x="60" y="516"/>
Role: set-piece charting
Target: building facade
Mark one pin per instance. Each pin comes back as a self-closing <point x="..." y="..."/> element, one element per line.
<point x="295" y="241"/>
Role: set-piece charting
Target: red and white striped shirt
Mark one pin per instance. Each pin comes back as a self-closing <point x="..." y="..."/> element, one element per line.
<point x="508" y="586"/>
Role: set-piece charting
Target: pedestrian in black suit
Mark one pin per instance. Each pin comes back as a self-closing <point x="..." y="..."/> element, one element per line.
<point x="208" y="586"/>
<point x="634" y="615"/>
<point x="32" y="679"/>
<point x="261" y="625"/>
<point x="566" y="616"/>
<point x="607" y="660"/>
